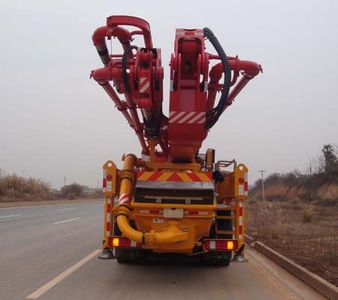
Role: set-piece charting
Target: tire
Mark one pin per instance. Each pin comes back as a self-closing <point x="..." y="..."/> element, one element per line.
<point x="221" y="259"/>
<point x="122" y="256"/>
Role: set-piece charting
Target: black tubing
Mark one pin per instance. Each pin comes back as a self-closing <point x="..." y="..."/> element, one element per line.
<point x="124" y="66"/>
<point x="215" y="113"/>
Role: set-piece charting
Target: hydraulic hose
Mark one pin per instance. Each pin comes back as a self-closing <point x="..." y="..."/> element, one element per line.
<point x="170" y="234"/>
<point x="215" y="113"/>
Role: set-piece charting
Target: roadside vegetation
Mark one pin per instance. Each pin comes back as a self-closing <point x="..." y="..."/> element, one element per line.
<point x="18" y="188"/>
<point x="300" y="215"/>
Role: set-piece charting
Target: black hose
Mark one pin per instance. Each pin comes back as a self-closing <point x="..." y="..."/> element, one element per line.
<point x="215" y="113"/>
<point x="124" y="67"/>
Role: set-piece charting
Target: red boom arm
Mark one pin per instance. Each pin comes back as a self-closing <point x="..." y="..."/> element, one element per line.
<point x="137" y="74"/>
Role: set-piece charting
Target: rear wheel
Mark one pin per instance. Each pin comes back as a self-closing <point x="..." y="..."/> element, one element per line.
<point x="123" y="256"/>
<point x="221" y="259"/>
<point x="127" y="255"/>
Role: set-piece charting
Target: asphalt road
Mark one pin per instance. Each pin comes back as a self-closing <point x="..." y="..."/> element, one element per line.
<point x="50" y="252"/>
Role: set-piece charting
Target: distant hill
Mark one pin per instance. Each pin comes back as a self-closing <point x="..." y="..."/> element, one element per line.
<point x="321" y="187"/>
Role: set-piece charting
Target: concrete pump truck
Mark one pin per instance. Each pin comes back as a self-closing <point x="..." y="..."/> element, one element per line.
<point x="172" y="198"/>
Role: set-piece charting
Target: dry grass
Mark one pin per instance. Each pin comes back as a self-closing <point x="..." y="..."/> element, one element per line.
<point x="306" y="233"/>
<point x="13" y="187"/>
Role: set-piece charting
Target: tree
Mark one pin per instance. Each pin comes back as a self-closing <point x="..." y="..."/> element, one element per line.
<point x="330" y="161"/>
<point x="330" y="156"/>
<point x="72" y="191"/>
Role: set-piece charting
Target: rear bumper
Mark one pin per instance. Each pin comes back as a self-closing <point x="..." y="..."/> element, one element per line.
<point x="206" y="245"/>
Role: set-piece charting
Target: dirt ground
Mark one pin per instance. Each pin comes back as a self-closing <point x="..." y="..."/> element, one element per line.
<point x="303" y="232"/>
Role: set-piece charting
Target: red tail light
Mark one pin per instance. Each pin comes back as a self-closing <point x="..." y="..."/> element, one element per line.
<point x="220" y="245"/>
<point x="118" y="242"/>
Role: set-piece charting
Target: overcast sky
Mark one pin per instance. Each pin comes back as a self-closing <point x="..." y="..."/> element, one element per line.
<point x="56" y="122"/>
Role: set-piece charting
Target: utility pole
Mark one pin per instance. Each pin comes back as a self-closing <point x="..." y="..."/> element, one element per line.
<point x="263" y="188"/>
<point x="64" y="180"/>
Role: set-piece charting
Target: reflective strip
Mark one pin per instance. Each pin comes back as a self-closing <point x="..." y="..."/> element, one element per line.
<point x="240" y="236"/>
<point x="223" y="206"/>
<point x="145" y="157"/>
<point x="198" y="33"/>
<point x="133" y="244"/>
<point x="195" y="119"/>
<point x="212" y="244"/>
<point x="124" y="198"/>
<point x="202" y="120"/>
<point x="109" y="186"/>
<point x="144" y="84"/>
<point x="205" y="86"/>
<point x="165" y="176"/>
<point x="241" y="189"/>
<point x="145" y="87"/>
<point x="171" y="85"/>
<point x="240" y="220"/>
<point x="174" y="176"/>
<point x="186" y="117"/>
<point x="180" y="114"/>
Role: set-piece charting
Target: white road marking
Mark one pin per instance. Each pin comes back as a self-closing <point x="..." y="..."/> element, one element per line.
<point x="9" y="216"/>
<point x="66" y="221"/>
<point x="68" y="208"/>
<point x="40" y="291"/>
<point x="278" y="283"/>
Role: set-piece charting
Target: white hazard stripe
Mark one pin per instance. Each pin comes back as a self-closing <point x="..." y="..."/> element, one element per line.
<point x="124" y="198"/>
<point x="199" y="119"/>
<point x="186" y="117"/>
<point x="173" y="119"/>
<point x="240" y="220"/>
<point x="212" y="245"/>
<point x="241" y="189"/>
<point x="144" y="85"/>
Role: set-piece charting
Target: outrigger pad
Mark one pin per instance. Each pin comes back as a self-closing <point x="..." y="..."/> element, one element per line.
<point x="107" y="254"/>
<point x="239" y="256"/>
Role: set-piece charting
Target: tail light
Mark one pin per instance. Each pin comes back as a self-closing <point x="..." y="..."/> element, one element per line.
<point x="119" y="242"/>
<point x="220" y="245"/>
